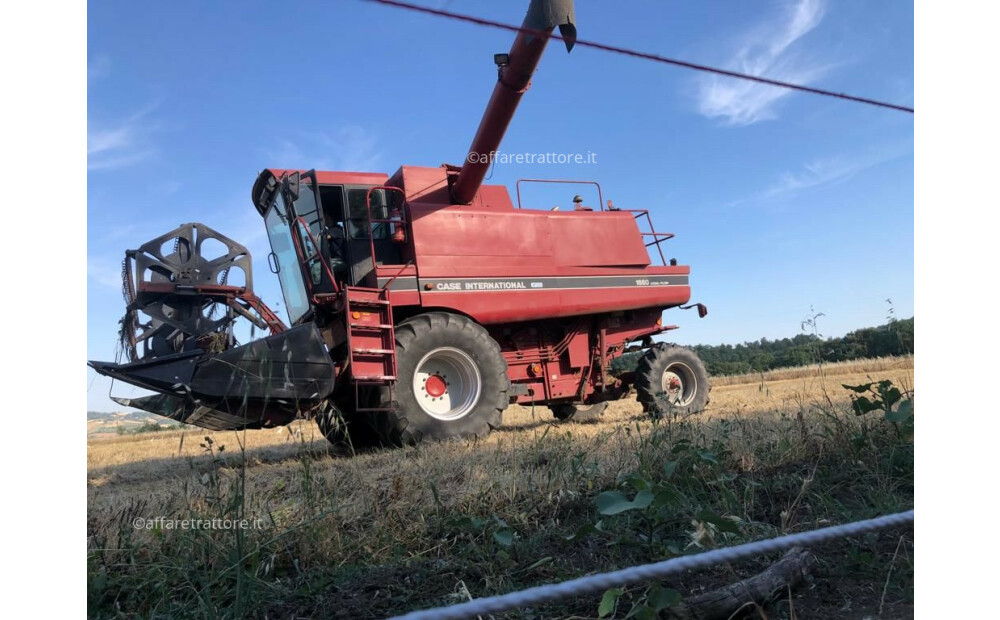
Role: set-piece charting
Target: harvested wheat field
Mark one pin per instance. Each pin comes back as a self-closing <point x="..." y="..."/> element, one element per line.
<point x="383" y="532"/>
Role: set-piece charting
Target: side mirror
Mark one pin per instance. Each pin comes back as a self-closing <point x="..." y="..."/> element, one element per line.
<point x="702" y="309"/>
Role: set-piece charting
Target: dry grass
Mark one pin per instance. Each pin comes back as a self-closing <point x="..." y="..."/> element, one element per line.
<point x="155" y="456"/>
<point x="430" y="512"/>
<point x="879" y="365"/>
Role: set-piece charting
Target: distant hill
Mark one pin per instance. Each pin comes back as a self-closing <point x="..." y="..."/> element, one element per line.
<point x="111" y="416"/>
<point x="124" y="422"/>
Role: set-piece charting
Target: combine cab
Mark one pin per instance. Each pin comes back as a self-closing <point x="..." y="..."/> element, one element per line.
<point x="420" y="304"/>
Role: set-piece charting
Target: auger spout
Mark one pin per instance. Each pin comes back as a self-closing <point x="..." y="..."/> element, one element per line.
<point x="514" y="77"/>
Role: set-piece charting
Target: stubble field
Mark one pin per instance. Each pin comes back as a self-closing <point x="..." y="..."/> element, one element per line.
<point x="334" y="534"/>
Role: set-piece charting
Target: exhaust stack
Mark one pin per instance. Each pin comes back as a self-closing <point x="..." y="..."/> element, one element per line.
<point x="514" y="78"/>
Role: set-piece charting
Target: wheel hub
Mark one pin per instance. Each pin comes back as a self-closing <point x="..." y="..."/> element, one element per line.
<point x="435" y="385"/>
<point x="447" y="383"/>
<point x="679" y="384"/>
<point x="675" y="387"/>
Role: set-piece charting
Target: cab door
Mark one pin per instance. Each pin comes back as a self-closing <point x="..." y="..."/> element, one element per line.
<point x="308" y="230"/>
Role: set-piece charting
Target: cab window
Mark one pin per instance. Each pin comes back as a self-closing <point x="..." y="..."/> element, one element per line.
<point x="358" y="225"/>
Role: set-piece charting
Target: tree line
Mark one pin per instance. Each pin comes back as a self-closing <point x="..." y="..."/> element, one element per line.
<point x="893" y="338"/>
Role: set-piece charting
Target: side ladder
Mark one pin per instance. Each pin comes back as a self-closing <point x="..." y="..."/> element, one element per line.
<point x="371" y="341"/>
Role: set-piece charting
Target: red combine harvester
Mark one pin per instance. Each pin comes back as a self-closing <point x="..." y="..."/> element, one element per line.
<point x="420" y="304"/>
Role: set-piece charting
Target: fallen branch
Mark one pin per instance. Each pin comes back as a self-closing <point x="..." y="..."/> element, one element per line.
<point x="787" y="572"/>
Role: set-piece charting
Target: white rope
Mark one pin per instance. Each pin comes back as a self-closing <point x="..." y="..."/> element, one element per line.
<point x="650" y="572"/>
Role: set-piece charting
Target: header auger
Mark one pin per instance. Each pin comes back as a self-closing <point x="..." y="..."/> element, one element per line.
<point x="419" y="304"/>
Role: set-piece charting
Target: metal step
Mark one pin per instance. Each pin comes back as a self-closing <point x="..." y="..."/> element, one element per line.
<point x="370" y="345"/>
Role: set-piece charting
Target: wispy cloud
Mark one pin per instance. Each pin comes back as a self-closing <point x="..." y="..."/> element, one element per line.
<point x="768" y="50"/>
<point x="821" y="172"/>
<point x="350" y="148"/>
<point x="122" y="143"/>
<point x="830" y="170"/>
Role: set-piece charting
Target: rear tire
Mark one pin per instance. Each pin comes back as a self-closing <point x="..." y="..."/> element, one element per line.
<point x="671" y="379"/>
<point x="563" y="412"/>
<point x="451" y="381"/>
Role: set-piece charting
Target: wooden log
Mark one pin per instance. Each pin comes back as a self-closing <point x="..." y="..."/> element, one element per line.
<point x="722" y="603"/>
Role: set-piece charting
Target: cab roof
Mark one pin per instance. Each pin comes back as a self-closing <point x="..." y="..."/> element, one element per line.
<point x="326" y="177"/>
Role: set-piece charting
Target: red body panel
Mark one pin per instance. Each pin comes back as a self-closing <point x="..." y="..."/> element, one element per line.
<point x="544" y="264"/>
<point x="509" y="306"/>
<point x="546" y="239"/>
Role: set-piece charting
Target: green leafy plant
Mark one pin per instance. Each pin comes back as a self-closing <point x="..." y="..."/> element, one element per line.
<point x="883" y="396"/>
<point x="609" y="602"/>
<point x="648" y="606"/>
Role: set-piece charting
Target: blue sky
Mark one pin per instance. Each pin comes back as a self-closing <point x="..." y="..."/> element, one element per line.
<point x="781" y="202"/>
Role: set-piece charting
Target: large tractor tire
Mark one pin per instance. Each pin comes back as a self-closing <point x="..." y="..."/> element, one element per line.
<point x="451" y="381"/>
<point x="671" y="380"/>
<point x="341" y="422"/>
<point x="590" y="413"/>
<point x="332" y="424"/>
<point x="563" y="412"/>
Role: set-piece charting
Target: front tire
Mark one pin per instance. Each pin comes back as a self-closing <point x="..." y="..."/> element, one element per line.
<point x="451" y="380"/>
<point x="671" y="379"/>
<point x="331" y="423"/>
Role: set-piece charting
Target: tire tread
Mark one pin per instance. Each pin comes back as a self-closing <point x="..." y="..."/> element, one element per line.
<point x="649" y="374"/>
<point x="394" y="425"/>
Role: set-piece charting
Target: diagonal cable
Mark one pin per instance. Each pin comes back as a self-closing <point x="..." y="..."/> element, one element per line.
<point x="648" y="56"/>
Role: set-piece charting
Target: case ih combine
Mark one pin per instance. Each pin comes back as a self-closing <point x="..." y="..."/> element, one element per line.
<point x="419" y="304"/>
